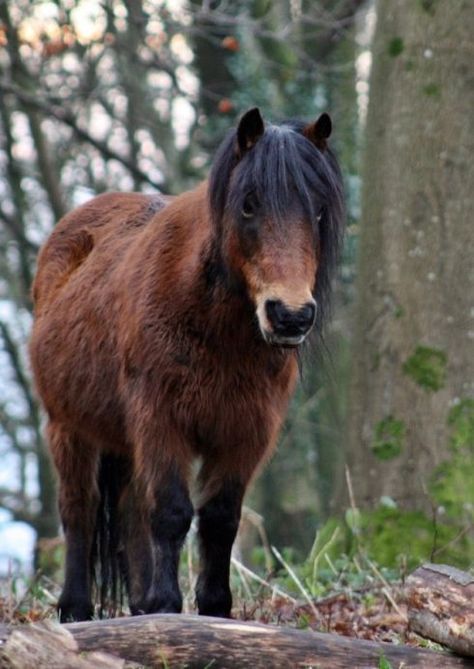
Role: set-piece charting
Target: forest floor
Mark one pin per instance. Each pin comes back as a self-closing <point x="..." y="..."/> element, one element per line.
<point x="365" y="604"/>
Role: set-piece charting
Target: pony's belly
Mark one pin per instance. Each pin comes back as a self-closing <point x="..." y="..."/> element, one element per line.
<point x="79" y="395"/>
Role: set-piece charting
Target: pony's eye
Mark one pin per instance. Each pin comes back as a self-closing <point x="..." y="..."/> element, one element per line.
<point x="319" y="216"/>
<point x="249" y="207"/>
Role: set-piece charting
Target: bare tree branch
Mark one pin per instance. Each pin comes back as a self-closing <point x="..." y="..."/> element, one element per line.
<point x="11" y="348"/>
<point x="67" y="117"/>
<point x="18" y="504"/>
<point x="16" y="231"/>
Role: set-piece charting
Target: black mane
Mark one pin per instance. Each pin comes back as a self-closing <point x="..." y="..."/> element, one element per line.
<point x="281" y="162"/>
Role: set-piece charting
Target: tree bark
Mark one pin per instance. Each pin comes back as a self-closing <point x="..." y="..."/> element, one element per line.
<point x="180" y="640"/>
<point x="413" y="356"/>
<point x="440" y="602"/>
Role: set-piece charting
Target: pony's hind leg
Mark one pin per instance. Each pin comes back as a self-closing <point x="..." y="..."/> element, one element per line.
<point x="219" y="520"/>
<point x="76" y="463"/>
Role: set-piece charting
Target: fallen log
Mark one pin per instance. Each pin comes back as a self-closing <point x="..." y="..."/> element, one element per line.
<point x="50" y="645"/>
<point x="440" y="601"/>
<point x="196" y="642"/>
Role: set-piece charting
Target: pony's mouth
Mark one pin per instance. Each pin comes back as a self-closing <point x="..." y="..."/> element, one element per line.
<point x="285" y="342"/>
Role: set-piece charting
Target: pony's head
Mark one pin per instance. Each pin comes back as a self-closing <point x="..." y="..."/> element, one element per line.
<point x="277" y="202"/>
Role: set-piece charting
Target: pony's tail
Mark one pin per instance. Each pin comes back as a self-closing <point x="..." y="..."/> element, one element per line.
<point x="107" y="563"/>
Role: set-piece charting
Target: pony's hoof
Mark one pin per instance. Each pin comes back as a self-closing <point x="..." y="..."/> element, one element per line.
<point x="157" y="604"/>
<point x="215" y="604"/>
<point x="74" y="611"/>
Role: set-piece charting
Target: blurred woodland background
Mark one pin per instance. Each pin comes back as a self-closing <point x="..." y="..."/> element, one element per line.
<point x="100" y="95"/>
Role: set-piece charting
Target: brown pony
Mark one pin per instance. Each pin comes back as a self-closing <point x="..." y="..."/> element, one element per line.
<point x="167" y="331"/>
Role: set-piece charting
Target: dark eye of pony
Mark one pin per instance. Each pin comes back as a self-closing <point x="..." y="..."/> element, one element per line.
<point x="250" y="206"/>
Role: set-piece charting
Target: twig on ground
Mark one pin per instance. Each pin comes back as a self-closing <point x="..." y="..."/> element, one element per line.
<point x="262" y="581"/>
<point x="301" y="587"/>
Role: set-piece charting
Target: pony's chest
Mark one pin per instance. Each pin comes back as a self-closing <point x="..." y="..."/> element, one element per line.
<point x="206" y="382"/>
<point x="217" y="394"/>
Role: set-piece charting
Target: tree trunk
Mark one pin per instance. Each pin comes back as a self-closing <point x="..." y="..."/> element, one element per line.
<point x="196" y="641"/>
<point x="413" y="354"/>
<point x="440" y="602"/>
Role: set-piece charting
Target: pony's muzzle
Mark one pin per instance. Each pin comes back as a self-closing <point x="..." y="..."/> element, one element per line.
<point x="289" y="327"/>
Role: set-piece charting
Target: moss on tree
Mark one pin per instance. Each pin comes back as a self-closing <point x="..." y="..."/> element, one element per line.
<point x="427" y="367"/>
<point x="388" y="438"/>
<point x="395" y="47"/>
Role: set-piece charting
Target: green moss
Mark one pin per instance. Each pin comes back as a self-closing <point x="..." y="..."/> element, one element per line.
<point x="427" y="367"/>
<point x="390" y="534"/>
<point x="452" y="487"/>
<point x="452" y="482"/>
<point x="428" y="6"/>
<point x="395" y="47"/>
<point x="432" y="89"/>
<point x="461" y="420"/>
<point x="388" y="438"/>
<point x="399" y="312"/>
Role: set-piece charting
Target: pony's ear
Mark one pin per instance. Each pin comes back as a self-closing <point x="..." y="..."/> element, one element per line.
<point x="319" y="131"/>
<point x="249" y="131"/>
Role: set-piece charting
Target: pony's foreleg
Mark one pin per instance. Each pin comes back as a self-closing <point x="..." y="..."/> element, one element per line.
<point x="138" y="551"/>
<point x="170" y="521"/>
<point x="76" y="464"/>
<point x="219" y="520"/>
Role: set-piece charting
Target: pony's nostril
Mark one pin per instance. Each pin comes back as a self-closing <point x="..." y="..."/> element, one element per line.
<point x="275" y="311"/>
<point x="307" y="313"/>
<point x="290" y="322"/>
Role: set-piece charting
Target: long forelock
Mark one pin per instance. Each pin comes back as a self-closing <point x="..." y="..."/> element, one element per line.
<point x="281" y="164"/>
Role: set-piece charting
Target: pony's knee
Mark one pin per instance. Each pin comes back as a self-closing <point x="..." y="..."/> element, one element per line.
<point x="78" y="500"/>
<point x="219" y="518"/>
<point x="218" y="524"/>
<point x="173" y="518"/>
<point x="172" y="512"/>
<point x="77" y="511"/>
